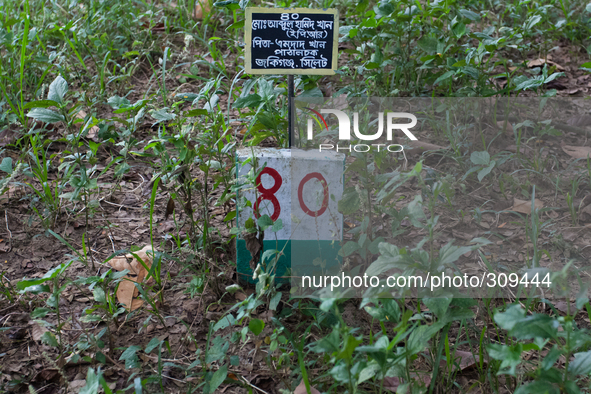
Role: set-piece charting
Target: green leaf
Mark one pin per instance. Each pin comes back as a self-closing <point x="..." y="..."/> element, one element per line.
<point x="538" y="386"/>
<point x="536" y="326"/>
<point x="581" y="365"/>
<point x="218" y="378"/>
<point x="57" y="90"/>
<point x="92" y="383"/>
<point x="480" y="158"/>
<point x="275" y="301"/>
<point x="161" y="115"/>
<point x="130" y="357"/>
<point x="485" y="171"/>
<point x="428" y="44"/>
<point x="349" y="203"/>
<point x="531" y="22"/>
<point x="237" y="25"/>
<point x="99" y="295"/>
<point x="507" y="320"/>
<point x="40" y="104"/>
<point x="470" y="15"/>
<point x="45" y="115"/>
<point x="419" y="338"/>
<point x="195" y="112"/>
<point x="49" y="339"/>
<point x="437" y="305"/>
<point x="252" y="100"/>
<point x="229" y="4"/>
<point x="264" y="222"/>
<point x="256" y="326"/>
<point x="444" y="77"/>
<point x="218" y="350"/>
<point x="510" y="356"/>
<point x="6" y="165"/>
<point x="40" y="313"/>
<point x="153" y="344"/>
<point x="224" y="322"/>
<point x="459" y="29"/>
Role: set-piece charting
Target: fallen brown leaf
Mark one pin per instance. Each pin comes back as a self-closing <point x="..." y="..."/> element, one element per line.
<point x="301" y="389"/>
<point x="522" y="206"/>
<point x="127" y="291"/>
<point x="37" y="331"/>
<point x="202" y="8"/>
<point x="501" y="126"/>
<point x="577" y="152"/>
<point x="541" y="62"/>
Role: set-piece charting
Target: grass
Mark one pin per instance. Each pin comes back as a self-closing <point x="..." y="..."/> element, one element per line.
<point x="119" y="123"/>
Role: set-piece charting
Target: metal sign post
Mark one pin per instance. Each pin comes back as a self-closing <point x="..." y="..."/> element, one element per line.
<point x="291" y="41"/>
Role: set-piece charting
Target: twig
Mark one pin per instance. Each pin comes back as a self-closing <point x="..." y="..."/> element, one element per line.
<point x="6" y="218"/>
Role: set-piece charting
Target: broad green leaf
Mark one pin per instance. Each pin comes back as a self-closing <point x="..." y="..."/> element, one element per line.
<point x="264" y="222"/>
<point x="470" y="15"/>
<point x="153" y="344"/>
<point x="459" y="29"/>
<point x="256" y="326"/>
<point x="444" y="77"/>
<point x="218" y="378"/>
<point x="45" y="115"/>
<point x="437" y="305"/>
<point x="99" y="295"/>
<point x="507" y="320"/>
<point x="581" y="365"/>
<point x="480" y="158"/>
<point x="92" y="383"/>
<point x="485" y="171"/>
<point x="6" y="165"/>
<point x="130" y="357"/>
<point x="509" y="355"/>
<point x="535" y="326"/>
<point x="224" y="322"/>
<point x="531" y="22"/>
<point x="419" y="338"/>
<point x="49" y="339"/>
<point x="275" y="301"/>
<point x="57" y="90"/>
<point x="252" y="100"/>
<point x="428" y="44"/>
<point x="161" y="115"/>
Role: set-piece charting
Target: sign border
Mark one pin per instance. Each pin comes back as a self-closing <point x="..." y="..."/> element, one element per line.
<point x="289" y="71"/>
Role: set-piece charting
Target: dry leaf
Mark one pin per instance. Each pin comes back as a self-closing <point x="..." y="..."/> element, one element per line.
<point x="522" y="206"/>
<point x="301" y="389"/>
<point x="169" y="208"/>
<point x="577" y="152"/>
<point x="418" y="147"/>
<point x="127" y="291"/>
<point x="501" y="125"/>
<point x="579" y="121"/>
<point x="37" y="331"/>
<point x="541" y="62"/>
<point x="203" y="7"/>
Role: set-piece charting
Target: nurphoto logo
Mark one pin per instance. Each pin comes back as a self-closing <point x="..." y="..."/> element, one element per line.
<point x="345" y="130"/>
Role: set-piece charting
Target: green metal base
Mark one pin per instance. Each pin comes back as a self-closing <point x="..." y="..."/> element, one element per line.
<point x="298" y="258"/>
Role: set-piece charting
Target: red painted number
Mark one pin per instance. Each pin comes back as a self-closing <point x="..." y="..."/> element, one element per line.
<point x="324" y="205"/>
<point x="269" y="194"/>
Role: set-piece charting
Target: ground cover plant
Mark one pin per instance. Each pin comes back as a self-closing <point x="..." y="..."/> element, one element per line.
<point x="118" y="126"/>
